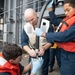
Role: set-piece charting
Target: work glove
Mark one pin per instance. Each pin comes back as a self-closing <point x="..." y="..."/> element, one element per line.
<point x="36" y="63"/>
<point x="50" y="4"/>
<point x="38" y="31"/>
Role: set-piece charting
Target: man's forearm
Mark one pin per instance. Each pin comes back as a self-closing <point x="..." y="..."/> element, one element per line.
<point x="46" y="46"/>
<point x="26" y="48"/>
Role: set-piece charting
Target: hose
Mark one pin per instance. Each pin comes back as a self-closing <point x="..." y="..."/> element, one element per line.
<point x="39" y="21"/>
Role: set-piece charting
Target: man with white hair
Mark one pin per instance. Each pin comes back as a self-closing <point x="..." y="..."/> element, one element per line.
<point x="28" y="38"/>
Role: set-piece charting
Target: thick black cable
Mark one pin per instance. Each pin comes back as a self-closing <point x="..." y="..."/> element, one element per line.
<point x="40" y="19"/>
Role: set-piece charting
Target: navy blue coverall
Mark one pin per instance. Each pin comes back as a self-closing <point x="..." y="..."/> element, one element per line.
<point x="67" y="58"/>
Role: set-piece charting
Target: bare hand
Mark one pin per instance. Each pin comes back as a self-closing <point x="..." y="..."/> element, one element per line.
<point x="41" y="51"/>
<point x="32" y="53"/>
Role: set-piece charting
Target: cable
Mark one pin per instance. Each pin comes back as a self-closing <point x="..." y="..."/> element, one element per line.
<point x="40" y="19"/>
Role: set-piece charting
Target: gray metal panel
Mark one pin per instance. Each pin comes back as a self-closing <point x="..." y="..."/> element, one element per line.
<point x="59" y="11"/>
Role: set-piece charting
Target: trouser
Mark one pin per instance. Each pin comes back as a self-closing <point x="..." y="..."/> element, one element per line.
<point x="28" y="62"/>
<point x="45" y="64"/>
<point x="55" y="52"/>
<point x="67" y="63"/>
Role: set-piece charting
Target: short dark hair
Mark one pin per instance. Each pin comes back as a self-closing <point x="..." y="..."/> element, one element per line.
<point x="11" y="51"/>
<point x="71" y="2"/>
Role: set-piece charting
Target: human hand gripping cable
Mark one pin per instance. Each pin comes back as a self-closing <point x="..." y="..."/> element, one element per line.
<point x="32" y="53"/>
<point x="41" y="51"/>
<point x="36" y="65"/>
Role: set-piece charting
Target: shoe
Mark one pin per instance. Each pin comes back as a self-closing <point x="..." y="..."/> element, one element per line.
<point x="50" y="70"/>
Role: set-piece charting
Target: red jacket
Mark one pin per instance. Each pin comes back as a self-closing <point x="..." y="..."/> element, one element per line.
<point x="5" y="66"/>
<point x="67" y="23"/>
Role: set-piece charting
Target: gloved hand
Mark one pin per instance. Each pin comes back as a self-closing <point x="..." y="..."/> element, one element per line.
<point x="50" y="4"/>
<point x="37" y="63"/>
<point x="38" y="31"/>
